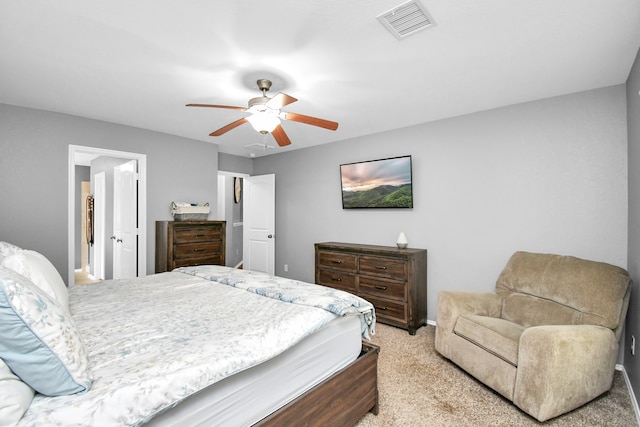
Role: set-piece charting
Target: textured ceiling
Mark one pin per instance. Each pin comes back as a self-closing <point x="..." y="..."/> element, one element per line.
<point x="138" y="63"/>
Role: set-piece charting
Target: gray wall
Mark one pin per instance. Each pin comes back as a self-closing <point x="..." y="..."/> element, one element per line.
<point x="548" y="176"/>
<point x="632" y="363"/>
<point x="34" y="173"/>
<point x="230" y="163"/>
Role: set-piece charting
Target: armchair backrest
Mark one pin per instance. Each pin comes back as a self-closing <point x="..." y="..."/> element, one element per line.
<point x="545" y="289"/>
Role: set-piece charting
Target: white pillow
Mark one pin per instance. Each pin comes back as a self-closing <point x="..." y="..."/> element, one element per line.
<point x="15" y="396"/>
<point x="38" y="339"/>
<point x="7" y="249"/>
<point x="37" y="268"/>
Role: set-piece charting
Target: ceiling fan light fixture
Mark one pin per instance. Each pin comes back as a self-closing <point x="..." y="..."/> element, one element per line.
<point x="264" y="123"/>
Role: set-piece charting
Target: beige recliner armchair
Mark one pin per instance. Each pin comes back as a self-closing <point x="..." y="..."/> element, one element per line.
<point x="547" y="339"/>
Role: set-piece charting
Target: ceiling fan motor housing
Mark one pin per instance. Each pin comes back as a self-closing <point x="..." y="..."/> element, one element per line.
<point x="258" y="104"/>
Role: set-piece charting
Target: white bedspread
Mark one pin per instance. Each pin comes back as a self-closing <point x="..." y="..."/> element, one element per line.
<point x="155" y="341"/>
<point x="292" y="291"/>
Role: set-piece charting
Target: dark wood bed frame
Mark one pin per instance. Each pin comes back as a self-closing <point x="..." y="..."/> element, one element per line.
<point x="340" y="400"/>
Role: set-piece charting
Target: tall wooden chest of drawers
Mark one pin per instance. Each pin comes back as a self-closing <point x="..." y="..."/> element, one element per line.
<point x="183" y="243"/>
<point x="393" y="280"/>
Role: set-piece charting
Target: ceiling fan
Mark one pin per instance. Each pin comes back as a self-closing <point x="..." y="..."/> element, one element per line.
<point x="265" y="115"/>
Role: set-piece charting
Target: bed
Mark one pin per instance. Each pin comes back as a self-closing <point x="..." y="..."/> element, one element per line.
<point x="206" y="345"/>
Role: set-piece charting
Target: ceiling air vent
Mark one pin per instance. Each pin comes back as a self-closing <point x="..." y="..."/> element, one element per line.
<point x="406" y="19"/>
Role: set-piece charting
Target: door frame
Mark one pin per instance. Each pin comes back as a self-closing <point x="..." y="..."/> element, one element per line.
<point x="76" y="152"/>
<point x="98" y="262"/>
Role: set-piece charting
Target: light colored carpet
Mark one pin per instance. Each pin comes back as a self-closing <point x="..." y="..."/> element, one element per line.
<point x="418" y="387"/>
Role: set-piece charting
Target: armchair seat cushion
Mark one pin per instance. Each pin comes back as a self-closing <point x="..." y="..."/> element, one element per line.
<point x="499" y="337"/>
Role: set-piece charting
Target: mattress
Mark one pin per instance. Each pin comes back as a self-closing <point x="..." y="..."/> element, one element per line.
<point x="248" y="397"/>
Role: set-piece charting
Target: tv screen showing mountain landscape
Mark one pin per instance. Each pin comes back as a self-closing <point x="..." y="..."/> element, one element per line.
<point x="384" y="183"/>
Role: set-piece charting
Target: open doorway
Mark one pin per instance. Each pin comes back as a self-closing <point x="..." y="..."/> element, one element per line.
<point x="85" y="220"/>
<point x="78" y="156"/>
<point x="231" y="209"/>
<point x="250" y="216"/>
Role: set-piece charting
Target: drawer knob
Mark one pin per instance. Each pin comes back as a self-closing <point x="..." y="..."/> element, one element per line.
<point x="381" y="267"/>
<point x="337" y="279"/>
<point x="336" y="261"/>
<point x="382" y="288"/>
<point x="199" y="235"/>
<point x="381" y="308"/>
<point x="198" y="250"/>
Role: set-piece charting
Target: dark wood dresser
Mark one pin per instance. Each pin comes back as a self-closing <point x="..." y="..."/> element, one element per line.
<point x="393" y="280"/>
<point x="183" y="243"/>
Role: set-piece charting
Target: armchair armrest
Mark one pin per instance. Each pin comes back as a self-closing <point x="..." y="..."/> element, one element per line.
<point x="452" y="304"/>
<point x="561" y="367"/>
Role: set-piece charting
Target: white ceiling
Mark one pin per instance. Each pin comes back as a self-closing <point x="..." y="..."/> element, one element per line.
<point x="138" y="63"/>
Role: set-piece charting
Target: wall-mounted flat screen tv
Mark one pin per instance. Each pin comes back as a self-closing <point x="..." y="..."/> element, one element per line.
<point x="383" y="183"/>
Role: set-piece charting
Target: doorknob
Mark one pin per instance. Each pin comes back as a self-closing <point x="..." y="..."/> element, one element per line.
<point x="270" y="236"/>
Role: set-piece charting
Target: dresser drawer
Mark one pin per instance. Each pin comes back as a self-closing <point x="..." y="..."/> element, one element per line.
<point x="338" y="280"/>
<point x="382" y="288"/>
<point x="196" y="250"/>
<point x="196" y="234"/>
<point x="206" y="260"/>
<point x="388" y="309"/>
<point x="338" y="261"/>
<point x="384" y="267"/>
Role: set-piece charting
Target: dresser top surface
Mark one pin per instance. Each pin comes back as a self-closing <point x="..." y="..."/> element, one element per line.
<point x="367" y="248"/>
<point x="192" y="222"/>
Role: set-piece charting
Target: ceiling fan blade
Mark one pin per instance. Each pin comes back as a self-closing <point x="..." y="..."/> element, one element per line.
<point x="280" y="136"/>
<point x="229" y="127"/>
<point x="280" y="100"/>
<point x="314" y="121"/>
<point x="217" y="106"/>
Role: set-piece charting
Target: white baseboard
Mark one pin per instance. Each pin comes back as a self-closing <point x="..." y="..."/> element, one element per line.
<point x="632" y="395"/>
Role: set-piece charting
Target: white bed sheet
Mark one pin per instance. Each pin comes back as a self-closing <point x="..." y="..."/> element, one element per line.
<point x="248" y="397"/>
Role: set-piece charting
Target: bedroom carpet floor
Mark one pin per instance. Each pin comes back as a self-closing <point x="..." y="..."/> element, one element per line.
<point x="418" y="387"/>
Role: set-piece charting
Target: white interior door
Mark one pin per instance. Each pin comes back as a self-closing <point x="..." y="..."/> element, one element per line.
<point x="125" y="233"/>
<point x="259" y="217"/>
